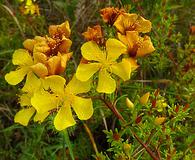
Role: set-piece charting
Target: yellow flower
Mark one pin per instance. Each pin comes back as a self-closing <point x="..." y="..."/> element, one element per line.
<point x="132" y="22"/>
<point x="161" y="104"/>
<point x="110" y="14"/>
<point x="137" y="46"/>
<point x="104" y="61"/>
<point x="24" y="115"/>
<point x="54" y="96"/>
<point x="144" y="98"/>
<point x="57" y="64"/>
<point x="23" y="59"/>
<point x="30" y="8"/>
<point x="58" y="31"/>
<point x="47" y="46"/>
<point x="94" y="34"/>
<point x="52" y="53"/>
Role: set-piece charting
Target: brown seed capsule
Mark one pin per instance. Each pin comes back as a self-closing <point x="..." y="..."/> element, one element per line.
<point x="138" y="119"/>
<point x="186" y="107"/>
<point x="116" y="136"/>
<point x="154" y="103"/>
<point x="177" y="109"/>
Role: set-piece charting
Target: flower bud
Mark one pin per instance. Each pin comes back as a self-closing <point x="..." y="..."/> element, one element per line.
<point x="144" y="98"/>
<point x="126" y="148"/>
<point x="129" y="104"/>
<point x="159" y="120"/>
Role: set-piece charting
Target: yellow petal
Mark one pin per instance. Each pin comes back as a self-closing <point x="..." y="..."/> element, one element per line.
<point x="65" y="58"/>
<point x="23" y="116"/>
<point x="122" y="38"/>
<point x="132" y="39"/>
<point x="15" y="77"/>
<point x="21" y="57"/>
<point x="83" y="107"/>
<point x="125" y="22"/>
<point x="43" y="101"/>
<point x="134" y="64"/>
<point x="54" y="83"/>
<point x="114" y="49"/>
<point x="32" y="83"/>
<point x="57" y="64"/>
<point x="65" y="46"/>
<point x="39" y="57"/>
<point x="40" y="117"/>
<point x="129" y="20"/>
<point x="106" y="84"/>
<point x="40" y="69"/>
<point x="62" y="29"/>
<point x="53" y="64"/>
<point x="91" y="51"/>
<point x="144" y="98"/>
<point x="122" y="69"/>
<point x="40" y="39"/>
<point x="25" y="99"/>
<point x="41" y="46"/>
<point x="29" y="2"/>
<point x="76" y="86"/>
<point x="146" y="47"/>
<point x="86" y="71"/>
<point x="143" y="25"/>
<point x="64" y="118"/>
<point x="29" y="44"/>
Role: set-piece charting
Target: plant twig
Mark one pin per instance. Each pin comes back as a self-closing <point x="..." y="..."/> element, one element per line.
<point x="141" y="148"/>
<point x="104" y="119"/>
<point x="153" y="81"/>
<point x="145" y="146"/>
<point x="113" y="109"/>
<point x="91" y="138"/>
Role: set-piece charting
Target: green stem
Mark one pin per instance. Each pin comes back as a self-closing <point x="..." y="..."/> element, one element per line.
<point x="68" y="143"/>
<point x="63" y="153"/>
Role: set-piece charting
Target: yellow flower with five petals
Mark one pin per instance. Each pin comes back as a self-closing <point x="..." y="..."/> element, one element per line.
<point x="132" y="22"/>
<point x="24" y="60"/>
<point x="105" y="61"/>
<point x="55" y="96"/>
<point x="136" y="46"/>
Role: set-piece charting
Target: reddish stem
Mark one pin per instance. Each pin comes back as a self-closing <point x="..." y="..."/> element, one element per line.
<point x="145" y="146"/>
<point x="113" y="109"/>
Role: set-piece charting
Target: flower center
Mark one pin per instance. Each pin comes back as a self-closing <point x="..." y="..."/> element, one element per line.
<point x="106" y="64"/>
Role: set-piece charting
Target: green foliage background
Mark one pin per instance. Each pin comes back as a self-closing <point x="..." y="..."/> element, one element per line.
<point x="171" y="68"/>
